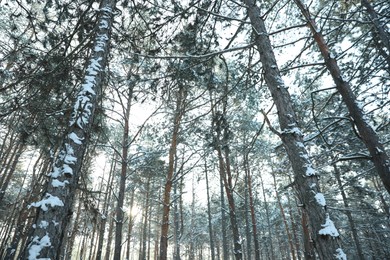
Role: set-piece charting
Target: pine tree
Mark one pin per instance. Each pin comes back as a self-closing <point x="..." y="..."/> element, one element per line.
<point x="55" y="207"/>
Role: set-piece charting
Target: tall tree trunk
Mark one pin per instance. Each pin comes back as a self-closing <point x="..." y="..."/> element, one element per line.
<point x="322" y="230"/>
<point x="287" y="229"/>
<point x="220" y="126"/>
<point x="55" y="208"/>
<point x="106" y="204"/>
<point x="130" y="225"/>
<point x="210" y="226"/>
<point x="252" y="208"/>
<point x="9" y="171"/>
<point x="67" y="251"/>
<point x="6" y="151"/>
<point x="380" y="31"/>
<point x="225" y="171"/>
<point x="247" y="221"/>
<point x="225" y="250"/>
<point x="122" y="182"/>
<point x="180" y="109"/>
<point x="370" y="138"/>
<point x="294" y="229"/>
<point x="176" y="254"/>
<point x="24" y="214"/>
<point x="267" y="215"/>
<point x="109" y="238"/>
<point x="191" y="255"/>
<point x="355" y="235"/>
<point x="8" y="138"/>
<point x="143" y="255"/>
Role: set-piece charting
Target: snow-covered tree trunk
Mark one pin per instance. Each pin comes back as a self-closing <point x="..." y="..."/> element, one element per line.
<point x="370" y="138"/>
<point x="55" y="207"/>
<point x="323" y="233"/>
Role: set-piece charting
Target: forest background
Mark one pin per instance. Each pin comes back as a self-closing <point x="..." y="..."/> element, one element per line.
<point x="194" y="129"/>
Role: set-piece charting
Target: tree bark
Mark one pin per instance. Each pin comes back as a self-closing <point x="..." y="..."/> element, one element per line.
<point x="355" y="235"/>
<point x="180" y="109"/>
<point x="382" y="34"/>
<point x="220" y="126"/>
<point x="294" y="229"/>
<point x="143" y="255"/>
<point x="9" y="171"/>
<point x="225" y="250"/>
<point x="210" y="226"/>
<point x="306" y="180"/>
<point x="109" y="238"/>
<point x="106" y="203"/>
<point x="247" y="221"/>
<point x="177" y="235"/>
<point x="289" y="236"/>
<point x="122" y="182"/>
<point x="55" y="208"/>
<point x="267" y="214"/>
<point x="252" y="208"/>
<point x="130" y="225"/>
<point x="368" y="135"/>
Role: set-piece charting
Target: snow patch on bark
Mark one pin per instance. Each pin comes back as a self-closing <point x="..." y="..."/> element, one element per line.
<point x="67" y="170"/>
<point x="310" y="171"/>
<point x="103" y="25"/>
<point x="340" y="255"/>
<point x="56" y="183"/>
<point x="320" y="199"/>
<point x="329" y="228"/>
<point x="49" y="200"/>
<point x="293" y="130"/>
<point x="36" y="247"/>
<point x="77" y="140"/>
<point x="56" y="172"/>
<point x="44" y="224"/>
